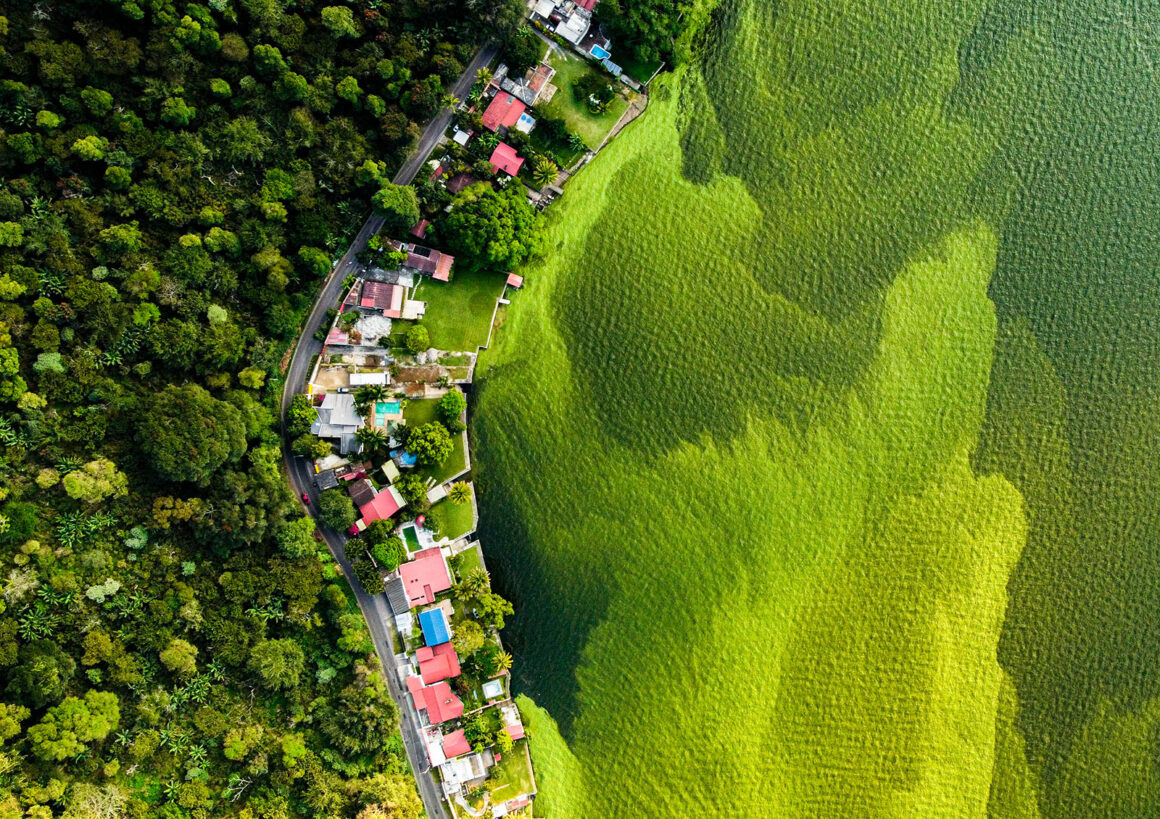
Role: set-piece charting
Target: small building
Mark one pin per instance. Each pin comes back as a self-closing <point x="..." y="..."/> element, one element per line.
<point x="425" y="576"/>
<point x="382" y="506"/>
<point x="419" y="230"/>
<point x="504" y="158"/>
<point x="461" y="137"/>
<point x="433" y="263"/>
<point x="437" y="701"/>
<point x="575" y="26"/>
<point x="438" y="663"/>
<point x="525" y="123"/>
<point x="503" y="111"/>
<point x="390" y="471"/>
<point x="362" y="492"/>
<point x="515" y="281"/>
<point x="325" y="480"/>
<point x="436" y="628"/>
<point x="366" y="379"/>
<point x="397" y="597"/>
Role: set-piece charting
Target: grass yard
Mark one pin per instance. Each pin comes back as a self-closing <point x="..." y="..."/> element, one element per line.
<point x="422" y="411"/>
<point x="565" y="156"/>
<point x="456" y="518"/>
<point x="459" y="312"/>
<point x="515" y="774"/>
<point x="469" y="561"/>
<point x="641" y="72"/>
<point x="592" y="128"/>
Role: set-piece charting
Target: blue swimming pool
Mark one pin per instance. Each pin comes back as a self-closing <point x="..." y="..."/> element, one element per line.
<point x="599" y="53"/>
<point x="383" y="409"/>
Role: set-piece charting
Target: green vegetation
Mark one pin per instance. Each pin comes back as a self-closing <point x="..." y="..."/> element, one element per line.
<point x="176" y="180"/>
<point x="572" y="72"/>
<point x="424" y="412"/>
<point x="491" y="228"/>
<point x="458" y="314"/>
<point x="451" y="520"/>
<point x="513" y="773"/>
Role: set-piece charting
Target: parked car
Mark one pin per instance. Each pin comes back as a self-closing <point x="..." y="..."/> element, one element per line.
<point x="343" y="389"/>
<point x="306" y="498"/>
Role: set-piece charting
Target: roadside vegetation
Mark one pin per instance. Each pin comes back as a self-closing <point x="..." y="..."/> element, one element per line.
<point x="174" y="641"/>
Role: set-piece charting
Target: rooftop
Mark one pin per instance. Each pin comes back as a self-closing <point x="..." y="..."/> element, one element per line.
<point x="382" y="506"/>
<point x="455" y="745"/>
<point x="436" y="629"/>
<point x="361" y="492"/>
<point x="438" y="663"/>
<point x="514" y="280"/>
<point x="504" y="158"/>
<point x="425" y="576"/>
<point x="504" y="110"/>
<point x="437" y="700"/>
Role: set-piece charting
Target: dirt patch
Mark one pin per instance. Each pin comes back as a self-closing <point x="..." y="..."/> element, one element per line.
<point x="411" y="374"/>
<point x="331" y="378"/>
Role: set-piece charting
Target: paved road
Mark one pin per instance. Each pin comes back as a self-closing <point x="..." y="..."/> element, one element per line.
<point x="301" y="473"/>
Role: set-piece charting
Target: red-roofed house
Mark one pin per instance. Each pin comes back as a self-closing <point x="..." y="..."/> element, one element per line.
<point x="504" y="158"/>
<point x="515" y="731"/>
<point x="456" y="744"/>
<point x="438" y="663"/>
<point x="425" y="576"/>
<point x="437" y="700"/>
<point x="443" y="268"/>
<point x="504" y="110"/>
<point x="385" y="297"/>
<point x="587" y="5"/>
<point x="420" y="228"/>
<point x="382" y="506"/>
<point x="515" y="281"/>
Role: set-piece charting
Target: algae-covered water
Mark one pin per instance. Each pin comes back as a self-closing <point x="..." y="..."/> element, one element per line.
<point x="820" y="455"/>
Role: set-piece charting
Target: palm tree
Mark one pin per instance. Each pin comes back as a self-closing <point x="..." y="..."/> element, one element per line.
<point x="373" y="439"/>
<point x="544" y="172"/>
<point x="368" y="395"/>
<point x="475" y="584"/>
<point x="484" y="76"/>
<point x="503" y="660"/>
<point x="460" y="493"/>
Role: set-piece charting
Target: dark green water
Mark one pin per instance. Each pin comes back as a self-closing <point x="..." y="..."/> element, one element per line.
<point x="861" y="134"/>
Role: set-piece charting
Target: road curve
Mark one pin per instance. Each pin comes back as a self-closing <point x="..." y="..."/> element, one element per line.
<point x="301" y="475"/>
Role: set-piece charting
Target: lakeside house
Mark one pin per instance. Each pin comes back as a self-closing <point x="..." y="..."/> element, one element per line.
<point x="435" y="702"/>
<point x="382" y="505"/>
<point x="425" y="576"/>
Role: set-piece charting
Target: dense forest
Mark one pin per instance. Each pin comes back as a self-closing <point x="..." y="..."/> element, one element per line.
<point x="176" y="181"/>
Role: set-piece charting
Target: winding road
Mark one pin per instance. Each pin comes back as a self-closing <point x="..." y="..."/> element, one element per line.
<point x="301" y="474"/>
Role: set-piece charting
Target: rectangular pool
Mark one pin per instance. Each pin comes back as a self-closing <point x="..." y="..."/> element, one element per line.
<point x="412" y="539"/>
<point x="383" y="409"/>
<point x="599" y="53"/>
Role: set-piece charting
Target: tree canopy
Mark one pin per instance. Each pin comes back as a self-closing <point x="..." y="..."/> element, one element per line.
<point x="187" y="433"/>
<point x="430" y="444"/>
<point x="490" y="228"/>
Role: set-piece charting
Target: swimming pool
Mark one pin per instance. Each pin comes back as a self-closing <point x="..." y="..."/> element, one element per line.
<point x="412" y="539"/>
<point x="383" y="409"/>
<point x="599" y="53"/>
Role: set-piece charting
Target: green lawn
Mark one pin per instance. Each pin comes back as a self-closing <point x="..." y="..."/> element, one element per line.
<point x="515" y="774"/>
<point x="422" y="411"/>
<point x="469" y="561"/>
<point x="592" y="128"/>
<point x="641" y="72"/>
<point x="457" y="518"/>
<point x="565" y="156"/>
<point x="459" y="312"/>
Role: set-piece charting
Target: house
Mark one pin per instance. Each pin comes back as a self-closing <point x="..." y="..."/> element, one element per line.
<point x="575" y="26"/>
<point x="425" y="576"/>
<point x="390" y="471"/>
<point x="326" y="480"/>
<point x="461" y="137"/>
<point x="436" y="628"/>
<point x="420" y="228"/>
<point x="426" y="260"/>
<point x="337" y="418"/>
<point x="382" y="296"/>
<point x="455" y="744"/>
<point x="382" y="506"/>
<point x="458" y="772"/>
<point x="504" y="158"/>
<point x="438" y="701"/>
<point x="361" y="492"/>
<point x="504" y="111"/>
<point x="519" y="90"/>
<point x="438" y="663"/>
<point x="515" y="281"/>
<point x="540" y="81"/>
<point x="460" y="181"/>
<point x="397" y="597"/>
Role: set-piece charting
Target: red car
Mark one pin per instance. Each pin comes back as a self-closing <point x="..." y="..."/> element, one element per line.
<point x="306" y="498"/>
